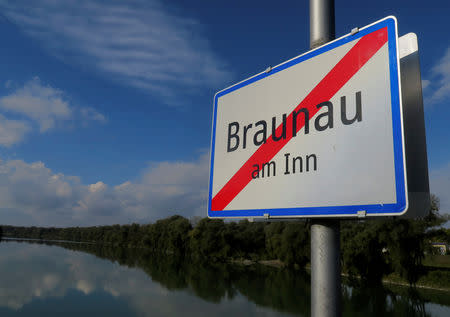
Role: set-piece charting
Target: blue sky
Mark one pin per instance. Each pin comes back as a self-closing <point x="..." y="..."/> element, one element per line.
<point x="105" y="106"/>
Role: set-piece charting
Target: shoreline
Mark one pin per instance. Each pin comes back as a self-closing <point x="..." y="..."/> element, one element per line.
<point x="387" y="281"/>
<point x="279" y="265"/>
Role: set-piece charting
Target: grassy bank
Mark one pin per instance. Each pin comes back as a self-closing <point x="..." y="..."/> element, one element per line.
<point x="437" y="279"/>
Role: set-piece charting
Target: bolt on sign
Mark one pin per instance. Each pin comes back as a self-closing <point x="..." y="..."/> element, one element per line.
<point x="320" y="135"/>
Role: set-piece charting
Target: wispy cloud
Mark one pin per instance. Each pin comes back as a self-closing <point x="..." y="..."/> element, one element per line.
<point x="425" y="84"/>
<point x="41" y="105"/>
<point x="437" y="86"/>
<point x="33" y="192"/>
<point x="138" y="43"/>
<point x="88" y="114"/>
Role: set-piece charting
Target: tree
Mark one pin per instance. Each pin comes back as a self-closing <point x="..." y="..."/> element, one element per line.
<point x="207" y="240"/>
<point x="405" y="242"/>
<point x="363" y="248"/>
<point x="274" y="239"/>
<point x="295" y="244"/>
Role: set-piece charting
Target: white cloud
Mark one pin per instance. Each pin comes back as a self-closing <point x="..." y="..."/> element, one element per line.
<point x="41" y="103"/>
<point x="437" y="87"/>
<point x="139" y="43"/>
<point x="97" y="187"/>
<point x="440" y="186"/>
<point x="12" y="131"/>
<point x="34" y="194"/>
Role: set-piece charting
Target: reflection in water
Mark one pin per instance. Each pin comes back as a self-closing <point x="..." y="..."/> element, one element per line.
<point x="34" y="275"/>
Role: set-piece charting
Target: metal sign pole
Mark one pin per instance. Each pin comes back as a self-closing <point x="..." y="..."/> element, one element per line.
<point x="325" y="234"/>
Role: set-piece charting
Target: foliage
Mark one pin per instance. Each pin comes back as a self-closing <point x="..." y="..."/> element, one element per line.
<point x="168" y="235"/>
<point x="405" y="244"/>
<point x="208" y="239"/>
<point x="289" y="242"/>
<point x="375" y="248"/>
<point x="363" y="249"/>
<point x="372" y="249"/>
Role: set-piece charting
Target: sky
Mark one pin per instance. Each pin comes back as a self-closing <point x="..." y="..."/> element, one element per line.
<point x="106" y="106"/>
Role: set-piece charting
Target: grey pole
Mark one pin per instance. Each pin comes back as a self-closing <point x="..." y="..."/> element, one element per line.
<point x="325" y="233"/>
<point x="325" y="269"/>
<point x="321" y="22"/>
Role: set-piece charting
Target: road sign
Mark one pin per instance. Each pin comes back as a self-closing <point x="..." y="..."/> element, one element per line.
<point x="320" y="135"/>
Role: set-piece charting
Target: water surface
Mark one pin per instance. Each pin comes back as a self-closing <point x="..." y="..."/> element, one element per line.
<point x="48" y="280"/>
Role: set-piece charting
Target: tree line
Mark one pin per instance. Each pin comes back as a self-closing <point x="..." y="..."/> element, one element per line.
<point x="370" y="249"/>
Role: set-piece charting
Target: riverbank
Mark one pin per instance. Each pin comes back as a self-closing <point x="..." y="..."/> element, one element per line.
<point x="436" y="277"/>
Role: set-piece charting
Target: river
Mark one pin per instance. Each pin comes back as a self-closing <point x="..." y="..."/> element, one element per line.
<point x="39" y="279"/>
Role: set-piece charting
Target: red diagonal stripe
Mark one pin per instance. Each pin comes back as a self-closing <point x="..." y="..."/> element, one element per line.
<point x="341" y="73"/>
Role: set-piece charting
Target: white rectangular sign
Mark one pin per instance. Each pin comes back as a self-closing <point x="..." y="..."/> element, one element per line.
<point x="320" y="135"/>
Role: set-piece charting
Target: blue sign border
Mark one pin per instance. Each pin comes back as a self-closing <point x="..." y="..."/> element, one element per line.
<point x="399" y="162"/>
